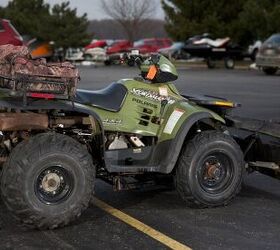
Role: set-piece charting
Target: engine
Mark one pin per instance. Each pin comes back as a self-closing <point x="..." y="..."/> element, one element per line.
<point x="115" y="141"/>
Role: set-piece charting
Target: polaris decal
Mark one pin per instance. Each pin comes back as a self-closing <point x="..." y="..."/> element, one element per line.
<point x="152" y="95"/>
<point x="139" y="101"/>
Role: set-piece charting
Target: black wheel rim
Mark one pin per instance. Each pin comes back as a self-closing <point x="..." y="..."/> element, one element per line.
<point x="215" y="173"/>
<point x="53" y="185"/>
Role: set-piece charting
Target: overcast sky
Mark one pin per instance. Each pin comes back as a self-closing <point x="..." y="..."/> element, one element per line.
<point x="91" y="7"/>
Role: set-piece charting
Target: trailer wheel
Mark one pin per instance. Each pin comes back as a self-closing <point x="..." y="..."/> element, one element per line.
<point x="48" y="181"/>
<point x="229" y="63"/>
<point x="211" y="64"/>
<point x="107" y="62"/>
<point x="209" y="170"/>
<point x="270" y="70"/>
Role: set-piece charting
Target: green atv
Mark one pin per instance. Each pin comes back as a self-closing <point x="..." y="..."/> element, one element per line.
<point x="129" y="134"/>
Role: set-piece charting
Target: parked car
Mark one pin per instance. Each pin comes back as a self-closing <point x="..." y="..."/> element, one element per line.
<point x="74" y="54"/>
<point x="253" y="49"/>
<point x="96" y="54"/>
<point x="96" y="50"/>
<point x="8" y="33"/>
<point x="119" y="46"/>
<point x="174" y="51"/>
<point x="90" y="55"/>
<point x="268" y="57"/>
<point x="115" y="51"/>
<point x="99" y="44"/>
<point x="151" y="45"/>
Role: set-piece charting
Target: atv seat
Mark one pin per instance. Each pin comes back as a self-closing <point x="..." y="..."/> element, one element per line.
<point x="111" y="98"/>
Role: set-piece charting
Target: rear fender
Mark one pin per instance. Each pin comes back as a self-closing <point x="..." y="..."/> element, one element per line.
<point x="96" y="121"/>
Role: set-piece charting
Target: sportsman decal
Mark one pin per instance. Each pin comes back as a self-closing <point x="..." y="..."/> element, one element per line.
<point x="152" y="95"/>
<point x="108" y="121"/>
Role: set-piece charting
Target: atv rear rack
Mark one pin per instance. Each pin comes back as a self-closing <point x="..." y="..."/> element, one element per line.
<point x="38" y="86"/>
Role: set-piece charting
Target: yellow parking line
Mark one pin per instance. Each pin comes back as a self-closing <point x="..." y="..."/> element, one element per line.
<point x="162" y="238"/>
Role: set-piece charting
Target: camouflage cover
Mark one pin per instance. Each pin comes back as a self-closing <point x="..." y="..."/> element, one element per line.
<point x="19" y="72"/>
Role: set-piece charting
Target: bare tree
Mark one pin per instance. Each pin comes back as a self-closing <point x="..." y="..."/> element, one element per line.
<point x="130" y="14"/>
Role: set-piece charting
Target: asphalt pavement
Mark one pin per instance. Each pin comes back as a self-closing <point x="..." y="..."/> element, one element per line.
<point x="251" y="221"/>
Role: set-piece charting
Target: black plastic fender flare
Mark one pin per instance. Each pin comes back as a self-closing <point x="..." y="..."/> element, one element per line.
<point x="175" y="145"/>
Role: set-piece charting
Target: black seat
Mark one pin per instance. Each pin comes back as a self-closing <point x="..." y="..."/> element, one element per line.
<point x="110" y="98"/>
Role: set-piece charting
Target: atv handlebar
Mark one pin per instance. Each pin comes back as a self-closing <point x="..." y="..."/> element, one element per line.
<point x="131" y="59"/>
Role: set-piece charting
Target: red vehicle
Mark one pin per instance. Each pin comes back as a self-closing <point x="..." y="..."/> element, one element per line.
<point x="119" y="46"/>
<point x="97" y="44"/>
<point x="8" y="34"/>
<point x="152" y="45"/>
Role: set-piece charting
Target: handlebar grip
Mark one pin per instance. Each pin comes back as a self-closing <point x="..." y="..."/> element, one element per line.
<point x="138" y="61"/>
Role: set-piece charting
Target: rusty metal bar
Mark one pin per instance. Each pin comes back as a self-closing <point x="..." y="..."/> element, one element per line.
<point x="23" y="121"/>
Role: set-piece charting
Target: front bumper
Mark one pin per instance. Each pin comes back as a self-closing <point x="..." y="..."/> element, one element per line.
<point x="266" y="61"/>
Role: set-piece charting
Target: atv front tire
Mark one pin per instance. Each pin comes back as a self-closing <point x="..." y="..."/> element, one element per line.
<point x="209" y="171"/>
<point x="48" y="181"/>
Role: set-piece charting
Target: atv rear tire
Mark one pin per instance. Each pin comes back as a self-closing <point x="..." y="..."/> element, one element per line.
<point x="209" y="170"/>
<point x="48" y="181"/>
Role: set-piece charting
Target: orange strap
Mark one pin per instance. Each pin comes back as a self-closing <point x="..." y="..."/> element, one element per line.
<point x="152" y="72"/>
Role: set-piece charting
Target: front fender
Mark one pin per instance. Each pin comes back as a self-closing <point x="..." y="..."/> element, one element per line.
<point x="175" y="144"/>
